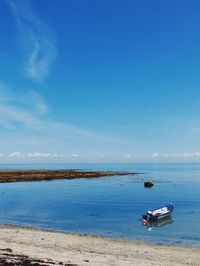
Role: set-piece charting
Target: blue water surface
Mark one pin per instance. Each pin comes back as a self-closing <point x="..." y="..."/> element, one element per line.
<point x="109" y="206"/>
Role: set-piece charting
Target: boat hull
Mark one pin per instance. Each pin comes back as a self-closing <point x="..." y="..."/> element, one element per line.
<point x="157" y="215"/>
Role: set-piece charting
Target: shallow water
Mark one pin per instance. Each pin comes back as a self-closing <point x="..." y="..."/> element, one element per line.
<point x="109" y="206"/>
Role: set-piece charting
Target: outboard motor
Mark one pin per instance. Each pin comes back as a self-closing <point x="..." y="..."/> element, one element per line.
<point x="145" y="219"/>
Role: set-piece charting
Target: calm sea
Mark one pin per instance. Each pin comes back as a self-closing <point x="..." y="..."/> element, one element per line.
<point x="109" y="206"/>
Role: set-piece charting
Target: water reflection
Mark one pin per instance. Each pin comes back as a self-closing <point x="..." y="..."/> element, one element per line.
<point x="160" y="223"/>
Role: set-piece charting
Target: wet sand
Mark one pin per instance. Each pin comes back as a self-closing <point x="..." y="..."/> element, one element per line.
<point x="55" y="248"/>
<point x="39" y="175"/>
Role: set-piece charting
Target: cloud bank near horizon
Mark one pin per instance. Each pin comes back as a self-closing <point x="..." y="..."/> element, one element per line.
<point x="177" y="155"/>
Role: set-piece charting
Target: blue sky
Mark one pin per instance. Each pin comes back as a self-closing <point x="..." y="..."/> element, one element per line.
<point x="99" y="81"/>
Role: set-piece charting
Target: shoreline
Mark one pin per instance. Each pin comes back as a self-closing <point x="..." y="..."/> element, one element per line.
<point x="114" y="238"/>
<point x="59" y="248"/>
<point x="10" y="176"/>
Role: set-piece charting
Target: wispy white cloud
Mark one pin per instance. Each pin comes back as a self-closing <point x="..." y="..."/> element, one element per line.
<point x="26" y="123"/>
<point x="75" y="155"/>
<point x="171" y="155"/>
<point x="39" y="154"/>
<point x="32" y="111"/>
<point x="182" y="155"/>
<point x="17" y="154"/>
<point x="193" y="154"/>
<point x="195" y="131"/>
<point x="38" y="40"/>
<point x="155" y="154"/>
<point x="17" y="109"/>
<point x="128" y="155"/>
<point x="64" y="127"/>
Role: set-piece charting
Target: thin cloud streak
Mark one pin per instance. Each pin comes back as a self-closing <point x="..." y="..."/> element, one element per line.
<point x="179" y="155"/>
<point x="25" y="121"/>
<point x="155" y="154"/>
<point x="17" y="154"/>
<point x="16" y="110"/>
<point x="37" y="38"/>
<point x="39" y="154"/>
<point x="75" y="155"/>
<point x="20" y="154"/>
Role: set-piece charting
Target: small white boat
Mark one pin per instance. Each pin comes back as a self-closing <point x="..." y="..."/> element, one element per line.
<point x="158" y="214"/>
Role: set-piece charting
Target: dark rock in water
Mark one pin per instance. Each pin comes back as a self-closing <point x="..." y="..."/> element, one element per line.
<point x="148" y="184"/>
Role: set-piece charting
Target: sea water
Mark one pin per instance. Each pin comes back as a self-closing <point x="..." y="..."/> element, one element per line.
<point x="109" y="206"/>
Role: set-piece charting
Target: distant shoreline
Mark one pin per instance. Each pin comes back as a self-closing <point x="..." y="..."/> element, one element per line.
<point x="8" y="176"/>
<point x="32" y="245"/>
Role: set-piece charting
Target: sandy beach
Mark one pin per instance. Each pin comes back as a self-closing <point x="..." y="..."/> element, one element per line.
<point x="45" y="247"/>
